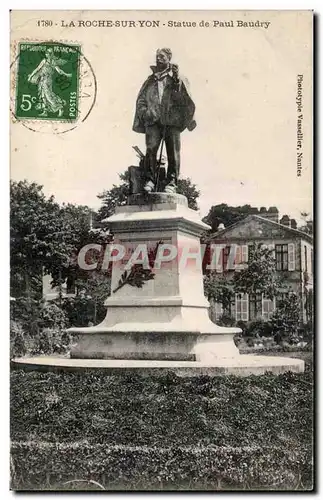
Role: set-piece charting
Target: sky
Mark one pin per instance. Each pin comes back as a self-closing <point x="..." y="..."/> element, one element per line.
<point x="242" y="80"/>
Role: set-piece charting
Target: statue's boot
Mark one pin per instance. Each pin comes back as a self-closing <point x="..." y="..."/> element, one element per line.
<point x="149" y="187"/>
<point x="170" y="188"/>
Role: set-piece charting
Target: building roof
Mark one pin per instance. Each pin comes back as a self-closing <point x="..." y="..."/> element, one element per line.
<point x="293" y="232"/>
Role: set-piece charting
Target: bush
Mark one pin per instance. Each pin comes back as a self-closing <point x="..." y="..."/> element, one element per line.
<point x="226" y="320"/>
<point x="258" y="328"/>
<point x="52" y="316"/>
<point x="51" y="341"/>
<point x="306" y="331"/>
<point x="242" y="325"/>
<point x="27" y="312"/>
<point x="50" y="465"/>
<point x="18" y="344"/>
<point x="162" y="432"/>
<point x="80" y="311"/>
<point x="286" y="317"/>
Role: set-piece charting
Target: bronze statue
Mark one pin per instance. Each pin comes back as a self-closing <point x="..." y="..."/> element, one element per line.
<point x="164" y="109"/>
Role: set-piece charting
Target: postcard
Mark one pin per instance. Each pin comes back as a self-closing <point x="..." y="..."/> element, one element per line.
<point x="161" y="281"/>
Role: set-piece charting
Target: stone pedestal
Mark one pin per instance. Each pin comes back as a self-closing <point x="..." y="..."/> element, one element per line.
<point x="167" y="317"/>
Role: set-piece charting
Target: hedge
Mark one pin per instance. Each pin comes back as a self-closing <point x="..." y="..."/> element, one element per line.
<point x="48" y="466"/>
<point x="185" y="426"/>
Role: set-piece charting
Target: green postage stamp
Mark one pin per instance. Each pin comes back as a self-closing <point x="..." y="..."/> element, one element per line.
<point x="47" y="84"/>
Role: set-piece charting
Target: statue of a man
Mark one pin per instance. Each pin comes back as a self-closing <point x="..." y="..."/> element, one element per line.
<point x="164" y="109"/>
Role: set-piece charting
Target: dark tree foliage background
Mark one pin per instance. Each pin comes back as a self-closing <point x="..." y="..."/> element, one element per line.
<point x="228" y="215"/>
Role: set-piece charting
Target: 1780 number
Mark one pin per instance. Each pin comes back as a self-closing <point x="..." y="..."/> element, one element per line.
<point x="44" y="24"/>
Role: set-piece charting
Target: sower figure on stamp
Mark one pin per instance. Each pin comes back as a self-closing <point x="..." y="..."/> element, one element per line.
<point x="164" y="109"/>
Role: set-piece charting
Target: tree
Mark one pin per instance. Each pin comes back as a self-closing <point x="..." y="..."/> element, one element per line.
<point x="34" y="222"/>
<point x="118" y="195"/>
<point x="307" y="226"/>
<point x="218" y="289"/>
<point x="188" y="189"/>
<point x="260" y="276"/>
<point x="46" y="238"/>
<point x="229" y="215"/>
<point x="286" y="317"/>
<point x="97" y="286"/>
<point x="75" y="232"/>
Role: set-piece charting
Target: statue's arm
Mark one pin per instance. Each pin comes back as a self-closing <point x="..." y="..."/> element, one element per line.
<point x="40" y="65"/>
<point x="141" y="100"/>
<point x="61" y="72"/>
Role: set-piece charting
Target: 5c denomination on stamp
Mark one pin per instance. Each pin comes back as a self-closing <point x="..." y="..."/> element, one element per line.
<point x="48" y="81"/>
<point x="54" y="86"/>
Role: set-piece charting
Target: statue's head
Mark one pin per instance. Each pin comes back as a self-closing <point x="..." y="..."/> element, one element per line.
<point x="163" y="58"/>
<point x="49" y="54"/>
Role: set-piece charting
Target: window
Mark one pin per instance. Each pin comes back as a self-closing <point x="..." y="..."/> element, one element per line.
<point x="291" y="257"/>
<point x="281" y="252"/>
<point x="226" y="253"/>
<point x="240" y="256"/>
<point x="268" y="307"/>
<point x="305" y="258"/>
<point x="218" y="310"/>
<point x="255" y="306"/>
<point x="309" y="306"/>
<point x="242" y="308"/>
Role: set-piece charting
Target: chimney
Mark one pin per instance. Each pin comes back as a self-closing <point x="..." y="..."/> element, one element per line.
<point x="271" y="214"/>
<point x="293" y="224"/>
<point x="285" y="221"/>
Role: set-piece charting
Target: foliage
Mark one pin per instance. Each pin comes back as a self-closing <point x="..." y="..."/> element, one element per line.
<point x="229" y="215"/>
<point x="18" y="345"/>
<point x="26" y="311"/>
<point x="75" y="233"/>
<point x="162" y="432"/>
<point x="52" y="316"/>
<point x="188" y="189"/>
<point x="34" y="220"/>
<point x="50" y="467"/>
<point x="83" y="310"/>
<point x="95" y="288"/>
<point x="50" y="341"/>
<point x="226" y="320"/>
<point x="259" y="277"/>
<point x="286" y="317"/>
<point x="34" y="315"/>
<point x="218" y="289"/>
<point x="241" y="324"/>
<point x="258" y="328"/>
<point x="118" y="195"/>
<point x="308" y="224"/>
<point x="45" y="238"/>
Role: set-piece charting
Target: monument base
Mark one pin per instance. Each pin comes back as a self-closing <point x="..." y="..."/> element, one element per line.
<point x="154" y="345"/>
<point x="161" y="323"/>
<point x="241" y="365"/>
<point x="165" y="317"/>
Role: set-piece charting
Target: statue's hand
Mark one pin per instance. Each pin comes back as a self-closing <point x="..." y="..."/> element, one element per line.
<point x="191" y="126"/>
<point x="175" y="69"/>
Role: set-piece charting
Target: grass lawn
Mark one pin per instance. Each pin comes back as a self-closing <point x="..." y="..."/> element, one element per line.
<point x="161" y="433"/>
